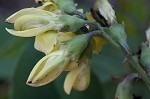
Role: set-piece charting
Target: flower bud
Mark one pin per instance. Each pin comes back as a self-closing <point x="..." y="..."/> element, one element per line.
<point x="105" y="9"/>
<point x="124" y="88"/>
<point x="48" y="69"/>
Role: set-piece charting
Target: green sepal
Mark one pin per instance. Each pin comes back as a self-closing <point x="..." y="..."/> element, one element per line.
<point x="77" y="45"/>
<point x="71" y="23"/>
<point x="66" y="6"/>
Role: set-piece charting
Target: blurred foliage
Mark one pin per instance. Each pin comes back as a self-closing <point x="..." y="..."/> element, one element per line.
<point x="18" y="56"/>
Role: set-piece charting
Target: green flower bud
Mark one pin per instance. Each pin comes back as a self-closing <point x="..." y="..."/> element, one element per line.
<point x="124" y="88"/>
<point x="145" y="57"/>
<point x="76" y="50"/>
<point x="71" y="23"/>
<point x="117" y="33"/>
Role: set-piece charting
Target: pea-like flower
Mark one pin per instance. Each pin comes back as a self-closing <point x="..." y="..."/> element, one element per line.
<point x="53" y="64"/>
<point x="46" y="24"/>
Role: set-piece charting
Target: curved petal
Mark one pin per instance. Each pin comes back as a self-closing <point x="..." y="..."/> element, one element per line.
<point x="49" y="6"/>
<point x="32" y="32"/>
<point x="70" y="79"/>
<point x="40" y="65"/>
<point x="30" y="21"/>
<point x="26" y="11"/>
<point x="83" y="79"/>
<point x="98" y="44"/>
<point x="46" y="42"/>
<point x="50" y="69"/>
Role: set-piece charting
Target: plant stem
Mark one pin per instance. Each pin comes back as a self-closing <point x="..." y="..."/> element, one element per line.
<point x="133" y="62"/>
<point x="128" y="55"/>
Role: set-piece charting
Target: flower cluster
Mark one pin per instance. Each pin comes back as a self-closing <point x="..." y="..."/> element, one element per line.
<point x="56" y="26"/>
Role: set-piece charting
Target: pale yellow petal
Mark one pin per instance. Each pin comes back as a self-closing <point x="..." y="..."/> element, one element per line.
<point x="51" y="72"/>
<point x="26" y="11"/>
<point x="46" y="42"/>
<point x="72" y="65"/>
<point x="32" y="32"/>
<point x="70" y="79"/>
<point x="98" y="43"/>
<point x="49" y="6"/>
<point x="83" y="79"/>
<point x="30" y="21"/>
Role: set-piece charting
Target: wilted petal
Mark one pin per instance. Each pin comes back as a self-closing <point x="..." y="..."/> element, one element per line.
<point x="98" y="43"/>
<point x="47" y="69"/>
<point x="46" y="42"/>
<point x="26" y="11"/>
<point x="32" y="32"/>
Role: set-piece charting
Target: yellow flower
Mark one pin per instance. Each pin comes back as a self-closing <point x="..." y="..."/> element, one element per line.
<point x="32" y="22"/>
<point x="53" y="64"/>
<point x="48" y="68"/>
<point x="51" y="40"/>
